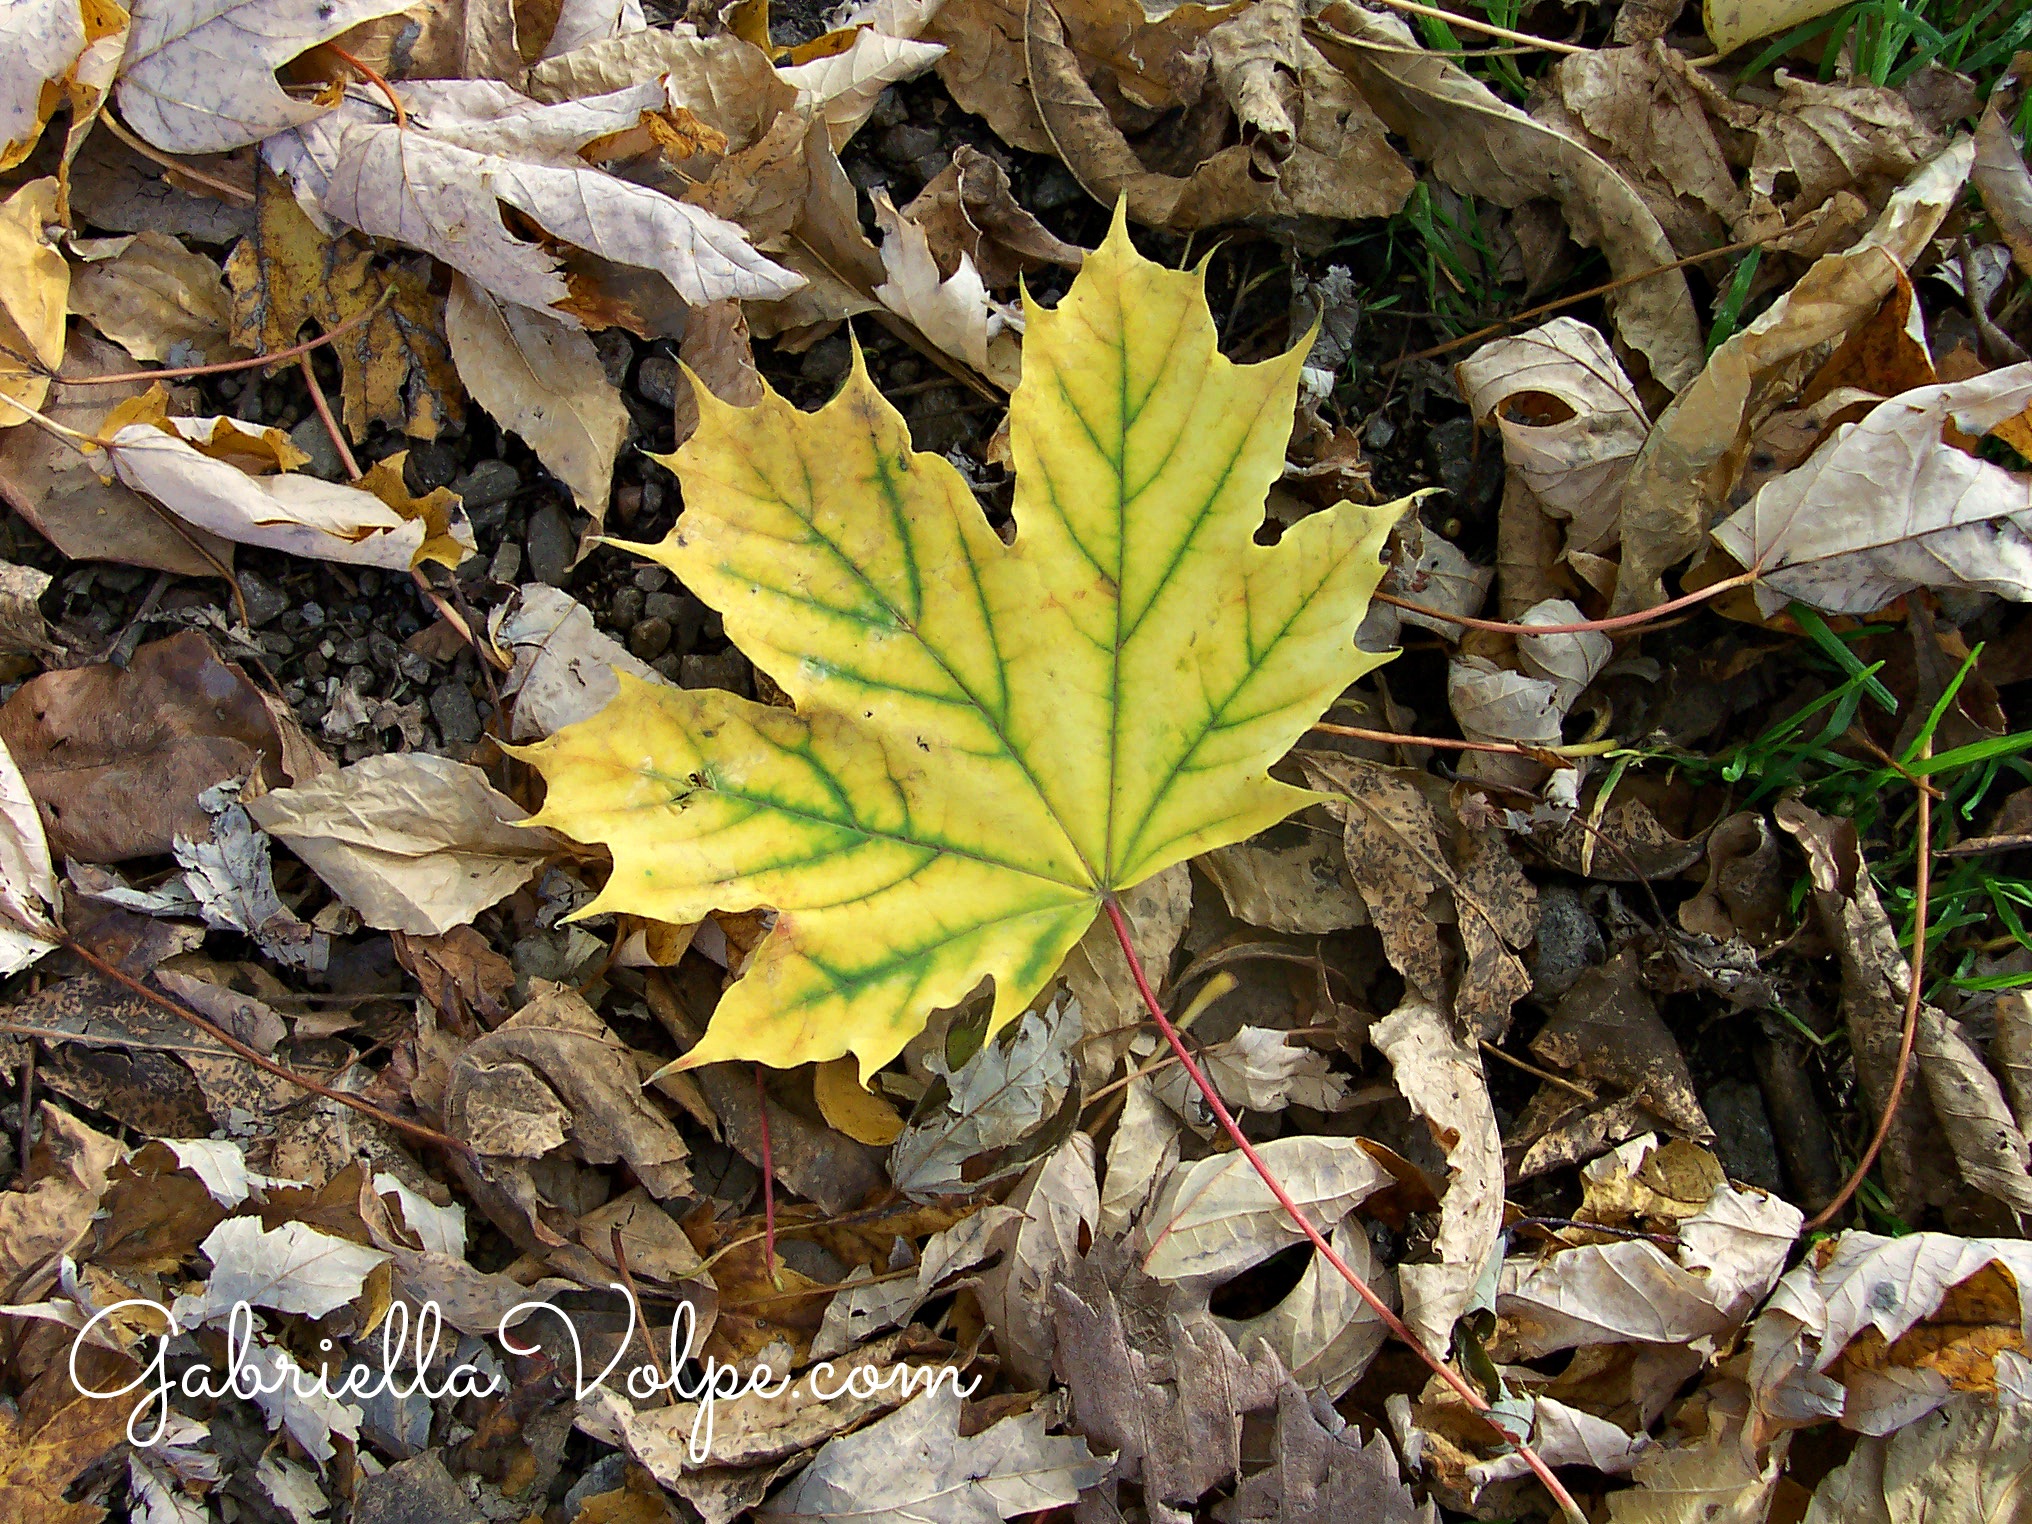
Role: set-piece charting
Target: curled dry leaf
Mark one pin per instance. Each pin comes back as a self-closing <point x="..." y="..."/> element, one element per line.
<point x="1674" y="487"/>
<point x="1719" y="1479"/>
<point x="1216" y="1217"/>
<point x="1886" y="506"/>
<point x="1999" y="171"/>
<point x="842" y="87"/>
<point x="1972" y="1457"/>
<point x="187" y="465"/>
<point x="541" y="377"/>
<point x="1324" y="1334"/>
<point x="201" y="78"/>
<point x="953" y="312"/>
<point x="1574" y="465"/>
<point x="47" y="1218"/>
<point x="28" y="888"/>
<point x="42" y="41"/>
<point x="725" y="81"/>
<point x="414" y="843"/>
<point x="1097" y="975"/>
<point x="1061" y="1206"/>
<point x="1481" y="146"/>
<point x="968" y="209"/>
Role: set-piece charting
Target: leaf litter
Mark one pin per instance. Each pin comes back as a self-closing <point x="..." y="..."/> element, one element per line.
<point x="1553" y="998"/>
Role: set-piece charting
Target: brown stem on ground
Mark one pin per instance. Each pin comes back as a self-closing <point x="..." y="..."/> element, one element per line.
<point x="1921" y="886"/>
<point x="1620" y="622"/>
<point x="275" y="357"/>
<point x="368" y="73"/>
<point x="768" y="1180"/>
<point x="324" y="412"/>
<point x="1460" y="1386"/>
<point x="259" y="1060"/>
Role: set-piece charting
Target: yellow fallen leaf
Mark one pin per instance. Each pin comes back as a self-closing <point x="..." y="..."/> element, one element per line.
<point x="990" y="738"/>
<point x="35" y="285"/>
<point x="859" y="1113"/>
<point x="1731" y="23"/>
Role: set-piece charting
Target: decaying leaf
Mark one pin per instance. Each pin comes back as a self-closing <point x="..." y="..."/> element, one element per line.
<point x="1886" y="505"/>
<point x="1971" y="1459"/>
<point x="1061" y="1204"/>
<point x="925" y="694"/>
<point x="541" y="378"/>
<point x="292" y="1268"/>
<point x="53" y="1211"/>
<point x="155" y="299"/>
<point x="564" y="668"/>
<point x="2000" y="173"/>
<point x="28" y="890"/>
<point x="39" y="1460"/>
<point x="1217" y="1216"/>
<point x="414" y="843"/>
<point x="34" y="290"/>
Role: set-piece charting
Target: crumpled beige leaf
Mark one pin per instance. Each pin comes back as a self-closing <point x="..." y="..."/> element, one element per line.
<point x="155" y="299"/>
<point x="1719" y="1479"/>
<point x="1141" y="1155"/>
<point x="554" y="1073"/>
<point x="28" y="889"/>
<point x="1481" y="146"/>
<point x="1286" y="883"/>
<point x="1674" y="487"/>
<point x="1970" y="1460"/>
<point x="540" y="377"/>
<point x="1259" y="1070"/>
<point x="187" y="465"/>
<point x="46" y="1220"/>
<point x="34" y="287"/>
<point x="1440" y="1075"/>
<point x="564" y="667"/>
<point x="1060" y="1202"/>
<point x="2000" y="173"/>
<point x="914" y="1465"/>
<point x="414" y="843"/>
<point x="728" y="83"/>
<point x="1730" y="1254"/>
<point x="955" y="313"/>
<point x="1886" y="505"/>
<point x="968" y="209"/>
<point x="1322" y="1331"/>
<point x="843" y="87"/>
<point x="1863" y="1285"/>
<point x="200" y="77"/>
<point x="445" y="199"/>
<point x="1216" y="1216"/>
<point x="1574" y="465"/>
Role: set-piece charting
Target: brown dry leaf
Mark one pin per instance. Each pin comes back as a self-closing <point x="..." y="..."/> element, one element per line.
<point x="716" y="350"/>
<point x="541" y="378"/>
<point x="1999" y="171"/>
<point x="1151" y="64"/>
<point x="954" y="313"/>
<point x="1480" y="146"/>
<point x="49" y="1215"/>
<point x="1959" y="1100"/>
<point x="460" y="974"/>
<point x="154" y="298"/>
<point x="34" y="285"/>
<point x="1675" y="485"/>
<point x="396" y="369"/>
<point x="1718" y="1479"/>
<point x="116" y="759"/>
<point x="811" y="1159"/>
<point x="1973" y="1460"/>
<point x="553" y="1075"/>
<point x="968" y="209"/>
<point x="1398" y="862"/>
<point x="55" y="1434"/>
<point x="414" y="843"/>
<point x="1290" y="879"/>
<point x="1570" y="419"/>
<point x="1607" y="1029"/>
<point x="1886" y="506"/>
<point x="1061" y="1205"/>
<point x="1097" y="975"/>
<point x="59" y="492"/>
<point x="726" y="82"/>
<point x="1744" y="895"/>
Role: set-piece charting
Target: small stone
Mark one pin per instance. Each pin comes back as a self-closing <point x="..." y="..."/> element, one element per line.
<point x="890" y="110"/>
<point x="488" y="483"/>
<point x="457" y="716"/>
<point x="658" y="379"/>
<point x="616" y="352"/>
<point x="931" y="166"/>
<point x="1380" y="432"/>
<point x="826" y="361"/>
<point x="665" y="606"/>
<point x="413" y="666"/>
<point x="651" y="579"/>
<point x="1743" y="1140"/>
<point x="650" y="638"/>
<point x="1569" y="942"/>
<point x="507" y="563"/>
<point x="866" y="176"/>
<point x="431" y="464"/>
<point x="626" y="609"/>
<point x="265" y="601"/>
<point x="1053" y="188"/>
<point x="671" y="666"/>
<point x="728" y="670"/>
<point x="353" y="653"/>
<point x="315" y="440"/>
<point x="627" y="501"/>
<point x="901" y="145"/>
<point x="551" y="543"/>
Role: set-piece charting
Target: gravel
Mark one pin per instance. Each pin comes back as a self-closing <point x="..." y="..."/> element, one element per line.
<point x="550" y="544"/>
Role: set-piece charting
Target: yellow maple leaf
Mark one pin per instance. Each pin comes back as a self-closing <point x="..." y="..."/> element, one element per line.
<point x="990" y="738"/>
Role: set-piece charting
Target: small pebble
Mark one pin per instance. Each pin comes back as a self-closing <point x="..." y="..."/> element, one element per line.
<point x="488" y="483"/>
<point x="664" y="606"/>
<point x="507" y="563"/>
<point x="313" y="616"/>
<point x="657" y="379"/>
<point x="890" y="110"/>
<point x="650" y="638"/>
<point x="901" y="146"/>
<point x="626" y="611"/>
<point x="550" y="543"/>
<point x="727" y="670"/>
<point x="315" y="440"/>
<point x="826" y="361"/>
<point x="651" y="579"/>
<point x="1054" y="188"/>
<point x="431" y="464"/>
<point x="616" y="353"/>
<point x="265" y="600"/>
<point x="627" y="501"/>
<point x="414" y="666"/>
<point x="458" y="718"/>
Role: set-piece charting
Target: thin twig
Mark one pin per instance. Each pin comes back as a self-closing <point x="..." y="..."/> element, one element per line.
<point x="1505" y="748"/>
<point x="1469" y="24"/>
<point x="324" y="411"/>
<point x="1545" y="1074"/>
<point x="1580" y="296"/>
<point x="259" y="1060"/>
<point x="368" y="72"/>
<point x="1620" y="622"/>
<point x="1563" y="1224"/>
<point x="1921" y="886"/>
<point x="28" y="1106"/>
<point x="170" y="161"/>
<point x="1461" y="1387"/>
<point x="768" y="1180"/>
<point x="274" y="357"/>
<point x="641" y="1321"/>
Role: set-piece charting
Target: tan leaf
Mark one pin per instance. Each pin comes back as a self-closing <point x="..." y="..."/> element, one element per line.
<point x="716" y="350"/>
<point x="1731" y="23"/>
<point x="1061" y="1205"/>
<point x="843" y="87"/>
<point x="728" y="83"/>
<point x="968" y="208"/>
<point x="541" y="377"/>
<point x="53" y="1210"/>
<point x="1217" y="1216"/>
<point x="2000" y="173"/>
<point x="564" y="667"/>
<point x="1975" y="1460"/>
<point x="157" y="300"/>
<point x="955" y="314"/>
<point x="34" y="285"/>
